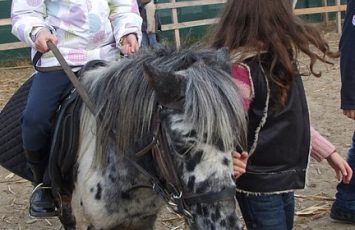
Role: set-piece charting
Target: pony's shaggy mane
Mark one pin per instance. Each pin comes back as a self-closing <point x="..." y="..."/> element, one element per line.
<point x="125" y="102"/>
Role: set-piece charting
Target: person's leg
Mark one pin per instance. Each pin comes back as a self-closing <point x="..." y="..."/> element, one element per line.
<point x="152" y="38"/>
<point x="289" y="208"/>
<point x="145" y="42"/>
<point x="267" y="212"/>
<point x="343" y="208"/>
<point x="42" y="102"/>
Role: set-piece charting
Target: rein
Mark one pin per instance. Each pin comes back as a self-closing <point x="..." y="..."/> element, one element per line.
<point x="68" y="71"/>
<point x="172" y="190"/>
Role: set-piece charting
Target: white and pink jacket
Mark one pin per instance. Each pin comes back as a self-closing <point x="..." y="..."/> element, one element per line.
<point x="86" y="29"/>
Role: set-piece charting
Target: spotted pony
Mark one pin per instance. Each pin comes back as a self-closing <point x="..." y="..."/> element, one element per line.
<point x="176" y="107"/>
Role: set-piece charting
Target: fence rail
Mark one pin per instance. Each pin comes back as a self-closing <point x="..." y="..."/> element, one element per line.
<point x="4" y="22"/>
<point x="176" y="25"/>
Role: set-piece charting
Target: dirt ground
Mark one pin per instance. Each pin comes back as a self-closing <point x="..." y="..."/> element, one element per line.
<point x="312" y="204"/>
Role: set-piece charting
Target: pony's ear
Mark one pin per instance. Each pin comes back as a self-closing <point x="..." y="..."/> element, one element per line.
<point x="223" y="54"/>
<point x="223" y="57"/>
<point x="168" y="86"/>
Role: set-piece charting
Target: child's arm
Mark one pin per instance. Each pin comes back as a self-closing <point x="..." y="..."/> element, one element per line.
<point x="323" y="149"/>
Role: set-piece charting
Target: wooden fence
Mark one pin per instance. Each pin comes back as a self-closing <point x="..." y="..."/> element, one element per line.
<point x="176" y="25"/>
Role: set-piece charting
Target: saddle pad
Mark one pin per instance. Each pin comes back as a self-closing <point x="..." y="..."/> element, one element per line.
<point x="12" y="155"/>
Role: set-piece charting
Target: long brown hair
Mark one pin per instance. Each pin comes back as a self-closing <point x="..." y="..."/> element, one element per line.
<point x="270" y="25"/>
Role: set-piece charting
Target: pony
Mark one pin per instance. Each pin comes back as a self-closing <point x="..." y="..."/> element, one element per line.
<point x="165" y="124"/>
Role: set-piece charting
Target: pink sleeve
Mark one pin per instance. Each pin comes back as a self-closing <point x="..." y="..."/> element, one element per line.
<point x="321" y="147"/>
<point x="241" y="77"/>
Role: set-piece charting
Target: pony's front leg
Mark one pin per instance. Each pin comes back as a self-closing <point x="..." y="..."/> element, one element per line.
<point x="81" y="221"/>
<point x="66" y="215"/>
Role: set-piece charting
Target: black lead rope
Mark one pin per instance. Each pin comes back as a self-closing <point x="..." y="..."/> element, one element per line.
<point x="68" y="71"/>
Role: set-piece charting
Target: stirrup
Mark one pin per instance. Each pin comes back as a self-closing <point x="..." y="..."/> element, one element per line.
<point x="56" y="211"/>
<point x="39" y="186"/>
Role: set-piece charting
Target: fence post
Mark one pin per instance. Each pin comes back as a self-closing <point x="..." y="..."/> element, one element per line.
<point x="326" y="15"/>
<point x="175" y="21"/>
<point x="338" y="18"/>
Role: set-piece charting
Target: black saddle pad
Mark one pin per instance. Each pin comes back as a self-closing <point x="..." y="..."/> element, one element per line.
<point x="12" y="155"/>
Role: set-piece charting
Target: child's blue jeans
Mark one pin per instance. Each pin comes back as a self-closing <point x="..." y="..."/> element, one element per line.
<point x="345" y="197"/>
<point x="42" y="102"/>
<point x="267" y="212"/>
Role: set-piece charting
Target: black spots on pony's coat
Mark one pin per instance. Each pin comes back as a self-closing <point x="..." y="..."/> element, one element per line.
<point x="208" y="222"/>
<point x="232" y="220"/>
<point x="90" y="227"/>
<point x="113" y="169"/>
<point x="212" y="226"/>
<point x="192" y="161"/>
<point x="75" y="173"/>
<point x="220" y="145"/>
<point x="125" y="196"/>
<point x="223" y="223"/>
<point x="215" y="216"/>
<point x="191" y="183"/>
<point x="205" y="211"/>
<point x="225" y="161"/>
<point x="98" y="192"/>
<point x="202" y="187"/>
<point x="202" y="210"/>
<point x="111" y="178"/>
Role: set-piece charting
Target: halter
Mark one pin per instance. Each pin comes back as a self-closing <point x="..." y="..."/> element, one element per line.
<point x="170" y="187"/>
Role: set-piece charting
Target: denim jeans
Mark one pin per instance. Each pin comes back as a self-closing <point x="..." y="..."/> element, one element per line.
<point x="345" y="197"/>
<point x="267" y="212"/>
<point x="42" y="102"/>
<point x="150" y="40"/>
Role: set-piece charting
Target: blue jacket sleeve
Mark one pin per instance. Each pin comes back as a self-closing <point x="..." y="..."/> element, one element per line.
<point x="347" y="58"/>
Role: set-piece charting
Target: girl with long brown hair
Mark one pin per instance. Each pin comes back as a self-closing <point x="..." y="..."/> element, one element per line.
<point x="265" y="39"/>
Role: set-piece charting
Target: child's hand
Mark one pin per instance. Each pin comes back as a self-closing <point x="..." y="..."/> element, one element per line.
<point x="42" y="37"/>
<point x="129" y="44"/>
<point x="341" y="167"/>
<point x="239" y="163"/>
